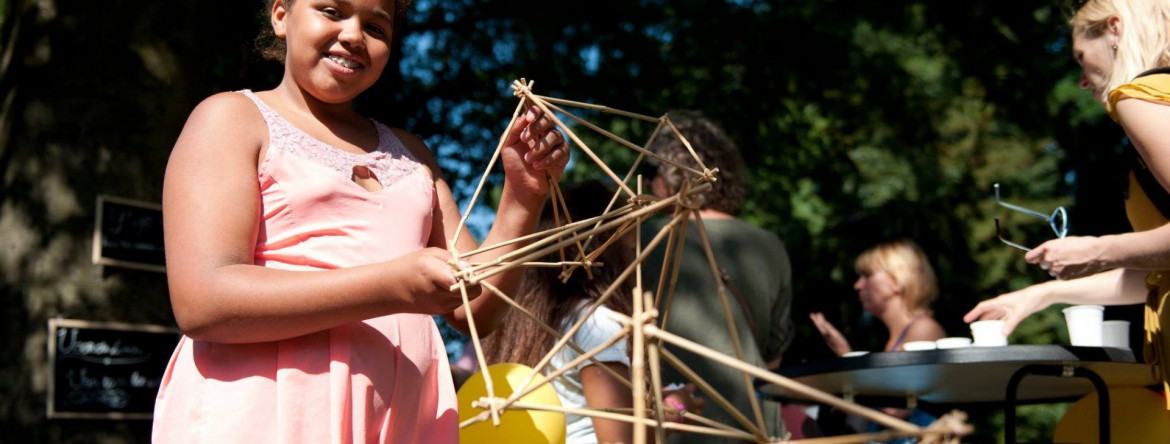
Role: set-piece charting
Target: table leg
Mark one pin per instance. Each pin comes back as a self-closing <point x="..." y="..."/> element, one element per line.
<point x="1009" y="428"/>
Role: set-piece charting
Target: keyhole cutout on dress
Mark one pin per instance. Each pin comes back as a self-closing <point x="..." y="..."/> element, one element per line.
<point x="366" y="178"/>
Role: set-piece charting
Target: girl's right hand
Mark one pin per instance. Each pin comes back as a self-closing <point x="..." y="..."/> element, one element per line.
<point x="422" y="282"/>
<point x="833" y="337"/>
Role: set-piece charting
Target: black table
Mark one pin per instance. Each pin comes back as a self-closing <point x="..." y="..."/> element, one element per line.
<point x="973" y="375"/>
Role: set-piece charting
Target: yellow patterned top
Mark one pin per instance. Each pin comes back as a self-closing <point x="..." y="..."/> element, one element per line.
<point x="1143" y="215"/>
<point x="1153" y="88"/>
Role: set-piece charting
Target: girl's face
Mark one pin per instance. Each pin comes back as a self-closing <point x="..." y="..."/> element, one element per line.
<point x="336" y="48"/>
<point x="875" y="289"/>
<point x="1095" y="55"/>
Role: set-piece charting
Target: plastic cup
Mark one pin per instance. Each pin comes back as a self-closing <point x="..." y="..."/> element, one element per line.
<point x="988" y="333"/>
<point x="1084" y="324"/>
<point x="918" y="345"/>
<point x="1115" y="334"/>
<point x="956" y="342"/>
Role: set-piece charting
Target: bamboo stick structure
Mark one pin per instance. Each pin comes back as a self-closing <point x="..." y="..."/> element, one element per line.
<point x="575" y="241"/>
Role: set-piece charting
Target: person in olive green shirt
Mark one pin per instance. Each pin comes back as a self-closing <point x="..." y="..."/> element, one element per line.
<point x="755" y="270"/>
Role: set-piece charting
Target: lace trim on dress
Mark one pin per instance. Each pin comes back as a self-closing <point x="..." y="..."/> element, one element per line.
<point x="390" y="162"/>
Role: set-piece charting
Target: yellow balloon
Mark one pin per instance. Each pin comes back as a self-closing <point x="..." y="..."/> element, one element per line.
<point x="1136" y="416"/>
<point x="519" y="426"/>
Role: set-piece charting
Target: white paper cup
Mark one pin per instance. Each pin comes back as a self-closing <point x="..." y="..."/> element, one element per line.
<point x="956" y="342"/>
<point x="1115" y="334"/>
<point x="988" y="333"/>
<point x="918" y="345"/>
<point x="1084" y="324"/>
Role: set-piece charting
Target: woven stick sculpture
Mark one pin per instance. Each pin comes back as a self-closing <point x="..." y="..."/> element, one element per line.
<point x="577" y="244"/>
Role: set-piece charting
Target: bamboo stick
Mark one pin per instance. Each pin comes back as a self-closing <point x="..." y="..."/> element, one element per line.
<point x="546" y="264"/>
<point x="609" y="291"/>
<point x="487" y="380"/>
<point x="556" y="334"/>
<point x="620" y="232"/>
<point x="527" y="386"/>
<point x="721" y="289"/>
<point x="627" y="143"/>
<point x="609" y="225"/>
<point x="487" y="172"/>
<point x="594" y="413"/>
<point x="555" y="240"/>
<point x="656" y="385"/>
<point x="710" y="391"/>
<point x="546" y="233"/>
<point x="547" y="237"/>
<point x="602" y="108"/>
<point x="685" y="143"/>
<point x="588" y="152"/>
<point x="788" y="384"/>
<point x="680" y="231"/>
<point x="612" y="201"/>
<point x="638" y="365"/>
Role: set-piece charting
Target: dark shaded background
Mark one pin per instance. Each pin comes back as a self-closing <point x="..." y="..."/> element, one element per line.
<point x="861" y="121"/>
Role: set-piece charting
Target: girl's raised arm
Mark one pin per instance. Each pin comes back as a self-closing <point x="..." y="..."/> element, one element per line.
<point x="531" y="150"/>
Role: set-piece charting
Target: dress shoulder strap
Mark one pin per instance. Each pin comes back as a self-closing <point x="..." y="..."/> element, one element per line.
<point x="902" y="334"/>
<point x="270" y="115"/>
<point x="1161" y="70"/>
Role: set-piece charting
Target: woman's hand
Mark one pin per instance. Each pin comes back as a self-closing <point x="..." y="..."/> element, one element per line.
<point x="1011" y="307"/>
<point x="533" y="151"/>
<point x="833" y="338"/>
<point x="1071" y="257"/>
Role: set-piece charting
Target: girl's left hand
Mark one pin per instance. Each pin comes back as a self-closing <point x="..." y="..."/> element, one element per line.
<point x="533" y="151"/>
<point x="1071" y="257"/>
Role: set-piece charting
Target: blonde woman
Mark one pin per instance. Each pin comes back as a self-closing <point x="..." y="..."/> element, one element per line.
<point x="1123" y="48"/>
<point x="896" y="284"/>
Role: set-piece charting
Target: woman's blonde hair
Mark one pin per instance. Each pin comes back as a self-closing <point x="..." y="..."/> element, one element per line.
<point x="905" y="262"/>
<point x="1144" y="41"/>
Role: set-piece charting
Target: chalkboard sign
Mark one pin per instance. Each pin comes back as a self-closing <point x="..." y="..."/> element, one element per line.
<point x="106" y="370"/>
<point x="129" y="234"/>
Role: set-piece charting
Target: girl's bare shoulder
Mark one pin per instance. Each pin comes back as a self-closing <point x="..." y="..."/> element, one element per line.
<point x="225" y="120"/>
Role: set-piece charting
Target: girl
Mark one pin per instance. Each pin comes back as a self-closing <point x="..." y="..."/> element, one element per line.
<point x="1123" y="48"/>
<point x="307" y="250"/>
<point x="560" y="305"/>
<point x="897" y="285"/>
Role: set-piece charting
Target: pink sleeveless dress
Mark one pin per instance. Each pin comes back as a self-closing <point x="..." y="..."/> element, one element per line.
<point x="381" y="380"/>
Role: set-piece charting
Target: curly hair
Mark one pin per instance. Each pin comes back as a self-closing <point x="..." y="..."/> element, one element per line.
<point x="271" y="47"/>
<point x="715" y="149"/>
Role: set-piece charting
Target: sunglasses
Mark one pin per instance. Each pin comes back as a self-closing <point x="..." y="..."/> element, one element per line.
<point x="1058" y="220"/>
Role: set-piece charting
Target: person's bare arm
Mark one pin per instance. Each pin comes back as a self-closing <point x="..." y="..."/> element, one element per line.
<point x="1145" y="124"/>
<point x="603" y="391"/>
<point x="1114" y="287"/>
